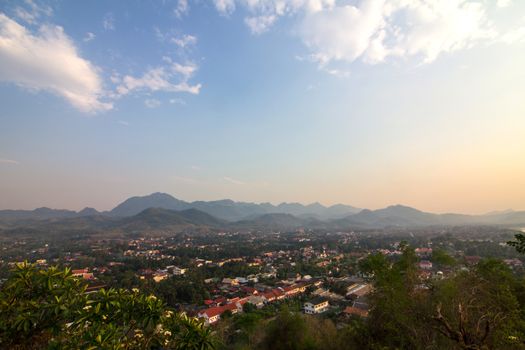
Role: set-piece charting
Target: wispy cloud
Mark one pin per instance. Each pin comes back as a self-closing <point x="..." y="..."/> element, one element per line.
<point x="123" y="122"/>
<point x="182" y="8"/>
<point x="89" y="36"/>
<point x="184" y="41"/>
<point x="109" y="21"/>
<point x="8" y="161"/>
<point x="152" y="103"/>
<point x="260" y="24"/>
<point x="171" y="77"/>
<point x="225" y="7"/>
<point x="59" y="68"/>
<point x="233" y="181"/>
<point x="30" y="11"/>
<point x="177" y="101"/>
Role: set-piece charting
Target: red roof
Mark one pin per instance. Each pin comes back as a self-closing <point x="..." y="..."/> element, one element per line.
<point x="213" y="311"/>
<point x="269" y="296"/>
<point x="355" y="311"/>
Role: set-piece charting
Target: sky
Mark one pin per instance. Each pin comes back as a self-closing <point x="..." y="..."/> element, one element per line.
<point x="368" y="102"/>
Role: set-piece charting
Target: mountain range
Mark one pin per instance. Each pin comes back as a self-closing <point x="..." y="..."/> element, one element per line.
<point x="160" y="211"/>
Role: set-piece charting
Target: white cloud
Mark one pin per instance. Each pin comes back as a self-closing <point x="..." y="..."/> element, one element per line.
<point x="342" y="33"/>
<point x="260" y="24"/>
<point x="504" y="3"/>
<point x="182" y="8"/>
<point x="9" y="161"/>
<point x="123" y="122"/>
<point x="374" y="31"/>
<point x="514" y="36"/>
<point x="233" y="181"/>
<point x="161" y="79"/>
<point x="184" y="40"/>
<point x="152" y="103"/>
<point x="89" y="36"/>
<point x="109" y="22"/>
<point x="48" y="60"/>
<point x="225" y="7"/>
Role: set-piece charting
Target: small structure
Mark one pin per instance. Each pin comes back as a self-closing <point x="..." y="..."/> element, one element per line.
<point x="316" y="306"/>
<point x="355" y="311"/>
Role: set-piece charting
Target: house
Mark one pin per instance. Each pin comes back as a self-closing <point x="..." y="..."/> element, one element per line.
<point x="423" y="252"/>
<point x="83" y="273"/>
<point x="279" y="294"/>
<point x="316" y="306"/>
<point x="513" y="262"/>
<point x="269" y="296"/>
<point x="211" y="315"/>
<point x="258" y="301"/>
<point x="230" y="281"/>
<point x="357" y="290"/>
<point x="354" y="311"/>
<point x="160" y="276"/>
<point x="79" y="272"/>
<point x="177" y="271"/>
<point x="425" y="265"/>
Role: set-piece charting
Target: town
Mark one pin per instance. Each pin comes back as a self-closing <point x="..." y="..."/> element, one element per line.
<point x="218" y="275"/>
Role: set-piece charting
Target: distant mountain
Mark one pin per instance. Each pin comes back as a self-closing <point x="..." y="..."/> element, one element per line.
<point x="161" y="210"/>
<point x="395" y="215"/>
<point x="37" y="214"/>
<point x="227" y="209"/>
<point x="275" y="221"/>
<point x="151" y="219"/>
<point x="398" y="215"/>
<point x="13" y="217"/>
<point x="88" y="212"/>
<point x="134" y="205"/>
<point x="164" y="219"/>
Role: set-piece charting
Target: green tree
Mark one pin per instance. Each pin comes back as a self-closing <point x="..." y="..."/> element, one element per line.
<point x="49" y="308"/>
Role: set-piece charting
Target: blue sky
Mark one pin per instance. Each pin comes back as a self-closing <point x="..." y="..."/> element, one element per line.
<point x="368" y="103"/>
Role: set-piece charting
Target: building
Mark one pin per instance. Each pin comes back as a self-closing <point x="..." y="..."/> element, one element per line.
<point x="316" y="306"/>
<point x="213" y="314"/>
<point x="177" y="271"/>
<point x="425" y="265"/>
<point x="354" y="311"/>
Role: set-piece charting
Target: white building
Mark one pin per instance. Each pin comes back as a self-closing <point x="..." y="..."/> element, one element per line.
<point x="316" y="306"/>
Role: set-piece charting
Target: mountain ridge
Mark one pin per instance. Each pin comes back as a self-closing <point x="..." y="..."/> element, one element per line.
<point x="163" y="210"/>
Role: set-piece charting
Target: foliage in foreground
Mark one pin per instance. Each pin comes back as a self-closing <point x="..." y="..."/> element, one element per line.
<point x="479" y="308"/>
<point x="49" y="308"/>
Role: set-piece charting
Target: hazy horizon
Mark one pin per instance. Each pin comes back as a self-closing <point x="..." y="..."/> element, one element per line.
<point x="108" y="208"/>
<point x="366" y="103"/>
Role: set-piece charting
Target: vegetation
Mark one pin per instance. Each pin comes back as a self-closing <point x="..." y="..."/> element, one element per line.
<point x="49" y="308"/>
<point x="476" y="309"/>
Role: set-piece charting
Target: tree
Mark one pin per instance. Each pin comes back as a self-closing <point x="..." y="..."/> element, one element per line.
<point x="479" y="309"/>
<point x="48" y="308"/>
<point x="519" y="243"/>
